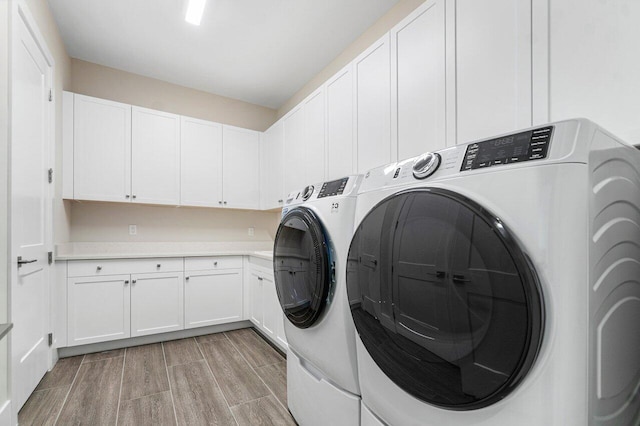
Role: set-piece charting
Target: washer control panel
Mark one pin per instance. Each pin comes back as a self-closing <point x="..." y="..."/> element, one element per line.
<point x="525" y="146"/>
<point x="333" y="188"/>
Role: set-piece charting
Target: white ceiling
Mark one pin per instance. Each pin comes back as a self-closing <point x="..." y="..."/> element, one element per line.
<point x="259" y="51"/>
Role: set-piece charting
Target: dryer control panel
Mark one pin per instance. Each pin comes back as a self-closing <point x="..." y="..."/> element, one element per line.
<point x="524" y="146"/>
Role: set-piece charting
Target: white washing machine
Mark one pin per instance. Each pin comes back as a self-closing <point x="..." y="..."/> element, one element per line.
<point x="498" y="283"/>
<point x="309" y="258"/>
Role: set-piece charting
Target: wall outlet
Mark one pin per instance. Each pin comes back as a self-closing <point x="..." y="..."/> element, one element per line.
<point x="133" y="229"/>
<point x="251" y="231"/>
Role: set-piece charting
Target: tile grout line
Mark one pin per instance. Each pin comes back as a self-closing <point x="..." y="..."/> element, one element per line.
<point x="260" y="377"/>
<point x="216" y="381"/>
<point x="64" y="401"/>
<point x="124" y="361"/>
<point x="166" y="369"/>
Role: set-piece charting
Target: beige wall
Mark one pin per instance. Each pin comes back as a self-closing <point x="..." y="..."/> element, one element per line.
<point x="109" y="83"/>
<point x="377" y="30"/>
<point x="109" y="222"/>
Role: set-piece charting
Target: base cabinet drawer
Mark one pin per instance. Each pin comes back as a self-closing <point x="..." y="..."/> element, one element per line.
<point x="156" y="303"/>
<point x="98" y="309"/>
<point x="212" y="297"/>
<point x="89" y="268"/>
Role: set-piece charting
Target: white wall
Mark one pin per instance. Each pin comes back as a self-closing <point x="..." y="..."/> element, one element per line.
<point x="595" y="63"/>
<point x="4" y="191"/>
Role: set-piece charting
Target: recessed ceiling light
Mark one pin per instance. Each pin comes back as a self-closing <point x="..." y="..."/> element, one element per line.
<point x="194" y="11"/>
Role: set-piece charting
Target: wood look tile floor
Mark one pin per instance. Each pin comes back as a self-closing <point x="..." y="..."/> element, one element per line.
<point x="232" y="378"/>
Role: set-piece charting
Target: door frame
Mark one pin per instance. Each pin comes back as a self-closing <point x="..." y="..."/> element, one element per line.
<point x="19" y="10"/>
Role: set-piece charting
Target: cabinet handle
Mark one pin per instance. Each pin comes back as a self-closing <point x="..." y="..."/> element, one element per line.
<point x="158" y="265"/>
<point x="280" y="201"/>
<point x="220" y="202"/>
<point x="186" y="278"/>
<point x="224" y="202"/>
<point x="127" y="196"/>
<point x="99" y="268"/>
<point x="260" y="278"/>
<point x="126" y="282"/>
<point x="134" y="281"/>
<point x="215" y="263"/>
<point x="134" y="197"/>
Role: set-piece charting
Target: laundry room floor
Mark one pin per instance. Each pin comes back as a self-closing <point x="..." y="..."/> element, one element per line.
<point x="232" y="378"/>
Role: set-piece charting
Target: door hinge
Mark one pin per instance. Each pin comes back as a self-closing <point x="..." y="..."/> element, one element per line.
<point x="50" y="257"/>
<point x="50" y="95"/>
<point x="50" y="175"/>
<point x="50" y="339"/>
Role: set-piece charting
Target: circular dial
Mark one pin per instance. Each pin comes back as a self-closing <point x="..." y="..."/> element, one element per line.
<point x="426" y="165"/>
<point x="307" y="193"/>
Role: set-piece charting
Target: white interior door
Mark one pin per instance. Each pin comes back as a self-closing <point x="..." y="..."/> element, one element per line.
<point x="30" y="212"/>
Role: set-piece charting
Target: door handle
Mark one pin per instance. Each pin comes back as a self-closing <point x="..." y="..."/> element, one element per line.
<point x="22" y="262"/>
<point x="460" y="279"/>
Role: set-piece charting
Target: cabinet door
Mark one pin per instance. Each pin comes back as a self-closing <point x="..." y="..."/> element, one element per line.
<point x="418" y="71"/>
<point x="271" y="307"/>
<point x="255" y="297"/>
<point x="101" y="149"/>
<point x="272" y="166"/>
<point x="200" y="163"/>
<point x="340" y="147"/>
<point x="314" y="141"/>
<point x="373" y="113"/>
<point x="281" y="338"/>
<point x="241" y="168"/>
<point x="212" y="297"/>
<point x="492" y="75"/>
<point x="98" y="309"/>
<point x="157" y="303"/>
<point x="294" y="159"/>
<point x="155" y="157"/>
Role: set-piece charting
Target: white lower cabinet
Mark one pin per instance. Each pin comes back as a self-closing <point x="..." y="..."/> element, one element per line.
<point x="156" y="303"/>
<point x="264" y="307"/>
<point x="212" y="297"/>
<point x="255" y="297"/>
<point x="98" y="309"/>
<point x="119" y="299"/>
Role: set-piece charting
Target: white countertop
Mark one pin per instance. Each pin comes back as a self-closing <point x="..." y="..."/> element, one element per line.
<point x="89" y="251"/>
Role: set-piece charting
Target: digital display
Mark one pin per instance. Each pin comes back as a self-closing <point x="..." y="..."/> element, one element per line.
<point x="525" y="146"/>
<point x="335" y="187"/>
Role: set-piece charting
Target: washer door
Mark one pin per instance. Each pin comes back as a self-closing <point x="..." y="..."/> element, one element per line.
<point x="302" y="267"/>
<point x="443" y="298"/>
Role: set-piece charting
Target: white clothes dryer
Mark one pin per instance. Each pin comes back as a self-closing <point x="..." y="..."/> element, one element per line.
<point x="309" y="258"/>
<point x="498" y="282"/>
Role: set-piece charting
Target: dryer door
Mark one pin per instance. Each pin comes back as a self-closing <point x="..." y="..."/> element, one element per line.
<point x="302" y="267"/>
<point x="443" y="298"/>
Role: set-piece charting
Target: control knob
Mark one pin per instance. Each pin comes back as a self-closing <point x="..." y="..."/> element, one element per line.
<point x="307" y="193"/>
<point x="426" y="165"/>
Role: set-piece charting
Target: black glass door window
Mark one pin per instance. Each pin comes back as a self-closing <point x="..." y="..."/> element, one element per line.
<point x="302" y="267"/>
<point x="444" y="299"/>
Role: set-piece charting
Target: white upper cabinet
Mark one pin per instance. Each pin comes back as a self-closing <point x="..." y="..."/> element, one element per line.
<point x="101" y="149"/>
<point x="341" y="153"/>
<point x="240" y="168"/>
<point x="418" y="69"/>
<point x="201" y="163"/>
<point x="373" y="105"/>
<point x="314" y="141"/>
<point x="294" y="152"/>
<point x="155" y="157"/>
<point x="272" y="167"/>
<point x="492" y="74"/>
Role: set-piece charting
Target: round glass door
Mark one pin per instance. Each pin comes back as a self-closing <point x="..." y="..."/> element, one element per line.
<point x="302" y="267"/>
<point x="443" y="299"/>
